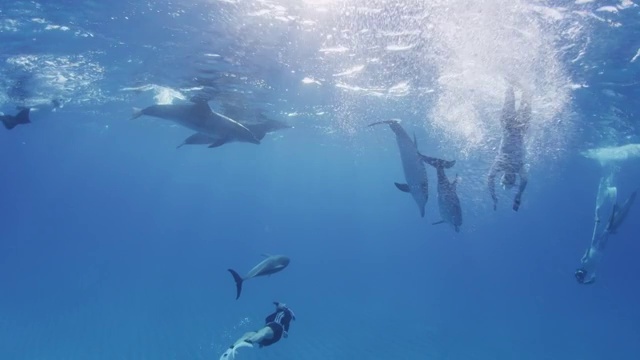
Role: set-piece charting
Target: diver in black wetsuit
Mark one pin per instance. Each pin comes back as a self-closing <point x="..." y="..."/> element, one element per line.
<point x="276" y="327"/>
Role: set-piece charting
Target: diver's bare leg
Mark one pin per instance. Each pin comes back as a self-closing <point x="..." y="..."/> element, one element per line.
<point x="262" y="334"/>
<point x="509" y="108"/>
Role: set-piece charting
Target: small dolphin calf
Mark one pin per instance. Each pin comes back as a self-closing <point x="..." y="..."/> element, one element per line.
<point x="271" y="265"/>
<point x="414" y="172"/>
<point x="199" y="117"/>
<point x="11" y="121"/>
<point x="448" y="202"/>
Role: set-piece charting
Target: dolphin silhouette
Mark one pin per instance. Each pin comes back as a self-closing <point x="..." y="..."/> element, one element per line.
<point x="271" y="265"/>
<point x="448" y="201"/>
<point x="11" y="121"/>
<point x="199" y="117"/>
<point x="415" y="174"/>
<point x="258" y="129"/>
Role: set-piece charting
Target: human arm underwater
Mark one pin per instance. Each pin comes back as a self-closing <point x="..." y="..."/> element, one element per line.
<point x="524" y="177"/>
<point x="491" y="183"/>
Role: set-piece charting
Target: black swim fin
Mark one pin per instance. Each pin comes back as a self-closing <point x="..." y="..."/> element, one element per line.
<point x="238" y="279"/>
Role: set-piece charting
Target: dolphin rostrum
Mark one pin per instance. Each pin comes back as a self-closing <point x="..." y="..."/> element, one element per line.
<point x="414" y="172"/>
<point x="448" y="202"/>
<point x="11" y="121"/>
<point x="199" y="117"/>
<point x="271" y="265"/>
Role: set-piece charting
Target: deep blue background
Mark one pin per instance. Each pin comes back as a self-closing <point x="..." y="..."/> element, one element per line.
<point x="115" y="245"/>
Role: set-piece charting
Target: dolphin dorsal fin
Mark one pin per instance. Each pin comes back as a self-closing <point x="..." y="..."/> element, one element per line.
<point x="203" y="105"/>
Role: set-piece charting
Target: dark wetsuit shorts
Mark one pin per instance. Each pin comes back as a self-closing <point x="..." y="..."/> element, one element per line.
<point x="277" y="334"/>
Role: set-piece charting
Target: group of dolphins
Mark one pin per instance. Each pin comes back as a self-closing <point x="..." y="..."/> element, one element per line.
<point x="215" y="129"/>
<point x="417" y="183"/>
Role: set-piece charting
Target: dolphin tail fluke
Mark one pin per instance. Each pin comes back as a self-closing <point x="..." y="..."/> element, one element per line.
<point x="137" y="112"/>
<point x="438" y="163"/>
<point x="388" y="122"/>
<point x="22" y="117"/>
<point x="238" y="279"/>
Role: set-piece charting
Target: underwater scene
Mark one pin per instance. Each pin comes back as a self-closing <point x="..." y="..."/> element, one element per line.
<point x="319" y="179"/>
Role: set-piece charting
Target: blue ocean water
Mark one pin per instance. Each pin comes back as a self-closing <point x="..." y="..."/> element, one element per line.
<point x="115" y="245"/>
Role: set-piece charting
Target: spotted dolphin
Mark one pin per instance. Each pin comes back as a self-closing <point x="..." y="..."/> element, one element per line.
<point x="414" y="171"/>
<point x="270" y="265"/>
<point x="199" y="117"/>
<point x="11" y="121"/>
<point x="448" y="201"/>
<point x="259" y="130"/>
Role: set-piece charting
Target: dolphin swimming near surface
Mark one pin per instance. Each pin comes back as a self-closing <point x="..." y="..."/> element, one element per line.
<point x="448" y="201"/>
<point x="271" y="265"/>
<point x="258" y="129"/>
<point x="414" y="172"/>
<point x="199" y="117"/>
<point x="606" y="155"/>
<point x="254" y="119"/>
<point x="11" y="121"/>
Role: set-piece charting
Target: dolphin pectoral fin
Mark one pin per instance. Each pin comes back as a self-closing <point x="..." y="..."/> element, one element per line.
<point x="415" y="142"/>
<point x="266" y="255"/>
<point x="197" y="139"/>
<point x="218" y="143"/>
<point x="238" y="279"/>
<point x="438" y="222"/>
<point x="403" y="187"/>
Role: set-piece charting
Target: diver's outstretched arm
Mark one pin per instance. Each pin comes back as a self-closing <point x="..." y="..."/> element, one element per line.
<point x="491" y="182"/>
<point x="523" y="185"/>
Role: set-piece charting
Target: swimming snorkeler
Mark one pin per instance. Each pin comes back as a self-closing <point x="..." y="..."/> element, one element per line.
<point x="510" y="159"/>
<point x="276" y="327"/>
<point x="608" y="193"/>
